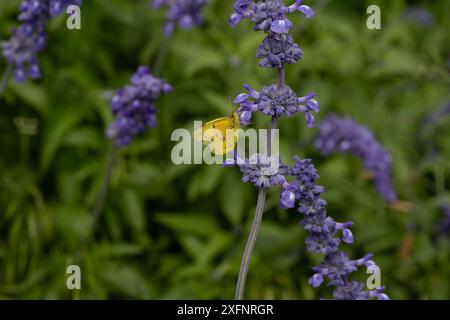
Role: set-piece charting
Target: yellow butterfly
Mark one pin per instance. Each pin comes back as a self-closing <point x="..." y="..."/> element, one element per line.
<point x="215" y="134"/>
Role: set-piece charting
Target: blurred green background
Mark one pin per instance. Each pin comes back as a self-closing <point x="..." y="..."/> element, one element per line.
<point x="170" y="232"/>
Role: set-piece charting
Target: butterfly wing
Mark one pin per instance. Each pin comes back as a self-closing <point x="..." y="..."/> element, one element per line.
<point x="215" y="134"/>
<point x="207" y="133"/>
<point x="230" y="142"/>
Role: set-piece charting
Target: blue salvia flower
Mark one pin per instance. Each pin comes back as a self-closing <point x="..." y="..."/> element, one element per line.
<point x="344" y="135"/>
<point x="277" y="50"/>
<point x="21" y="52"/>
<point x="133" y="106"/>
<point x="275" y="101"/>
<point x="268" y="15"/>
<point x="184" y="13"/>
<point x="326" y="235"/>
<point x="263" y="171"/>
<point x="38" y="12"/>
<point x="299" y="183"/>
<point x="30" y="37"/>
<point x="354" y="290"/>
<point x="134" y="110"/>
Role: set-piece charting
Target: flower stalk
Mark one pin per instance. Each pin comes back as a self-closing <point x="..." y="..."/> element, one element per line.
<point x="240" y="286"/>
<point x="299" y="188"/>
<point x="134" y="111"/>
<point x="260" y="204"/>
<point x="5" y="78"/>
<point x="102" y="193"/>
<point x="30" y="37"/>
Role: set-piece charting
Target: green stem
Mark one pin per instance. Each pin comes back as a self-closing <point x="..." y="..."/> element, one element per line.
<point x="101" y="195"/>
<point x="243" y="271"/>
<point x="240" y="286"/>
<point x="5" y="78"/>
<point x="281" y="78"/>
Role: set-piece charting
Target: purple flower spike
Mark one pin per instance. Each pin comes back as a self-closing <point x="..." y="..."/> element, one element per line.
<point x="30" y="37"/>
<point x="336" y="266"/>
<point x="263" y="171"/>
<point x="21" y="51"/>
<point x="339" y="135"/>
<point x="278" y="50"/>
<point x="268" y="15"/>
<point x="324" y="231"/>
<point x="299" y="188"/>
<point x="277" y="101"/>
<point x="133" y="106"/>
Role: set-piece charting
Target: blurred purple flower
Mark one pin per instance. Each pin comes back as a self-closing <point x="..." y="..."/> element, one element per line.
<point x="133" y="106"/>
<point x="428" y="126"/>
<point x="419" y="16"/>
<point x="30" y="37"/>
<point x="185" y="13"/>
<point x="38" y="12"/>
<point x="343" y="135"/>
<point x="21" y="51"/>
<point x="435" y="116"/>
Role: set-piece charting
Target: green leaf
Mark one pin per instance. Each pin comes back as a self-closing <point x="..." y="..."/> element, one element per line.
<point x="133" y="209"/>
<point x="72" y="222"/>
<point x="204" y="181"/>
<point x="56" y="129"/>
<point x="125" y="280"/>
<point x="88" y="138"/>
<point x="118" y="249"/>
<point x="32" y="94"/>
<point x="190" y="223"/>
